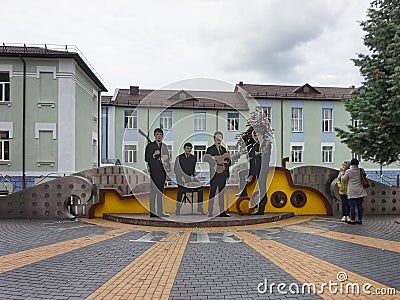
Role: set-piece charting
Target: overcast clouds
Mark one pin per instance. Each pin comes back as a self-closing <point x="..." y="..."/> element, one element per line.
<point x="154" y="43"/>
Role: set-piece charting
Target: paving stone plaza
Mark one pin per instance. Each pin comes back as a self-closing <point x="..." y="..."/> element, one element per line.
<point x="297" y="258"/>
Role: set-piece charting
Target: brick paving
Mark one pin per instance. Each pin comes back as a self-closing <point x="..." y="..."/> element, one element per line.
<point x="98" y="259"/>
<point x="16" y="235"/>
<point x="218" y="269"/>
<point x="382" y="227"/>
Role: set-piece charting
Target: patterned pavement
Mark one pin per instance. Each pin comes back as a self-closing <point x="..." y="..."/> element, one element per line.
<point x="298" y="258"/>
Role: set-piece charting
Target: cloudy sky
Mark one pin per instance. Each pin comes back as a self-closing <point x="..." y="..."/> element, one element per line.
<point x="155" y="43"/>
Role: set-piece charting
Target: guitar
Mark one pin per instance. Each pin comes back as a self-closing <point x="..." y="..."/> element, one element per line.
<point x="164" y="158"/>
<point x="222" y="161"/>
<point x="145" y="135"/>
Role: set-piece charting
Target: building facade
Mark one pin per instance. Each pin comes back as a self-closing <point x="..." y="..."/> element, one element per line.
<point x="184" y="116"/>
<point x="303" y="118"/>
<point x="49" y="114"/>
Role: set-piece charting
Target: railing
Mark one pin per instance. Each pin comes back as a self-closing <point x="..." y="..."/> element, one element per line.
<point x="286" y="95"/>
<point x="391" y="181"/>
<point x="42" y="178"/>
<point x="4" y="179"/>
<point x="147" y="103"/>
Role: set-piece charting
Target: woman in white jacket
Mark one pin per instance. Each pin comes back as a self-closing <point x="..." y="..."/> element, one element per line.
<point x="355" y="191"/>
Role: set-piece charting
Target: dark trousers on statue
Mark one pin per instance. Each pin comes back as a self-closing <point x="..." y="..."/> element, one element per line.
<point x="218" y="181"/>
<point x="242" y="183"/>
<point x="262" y="180"/>
<point x="156" y="194"/>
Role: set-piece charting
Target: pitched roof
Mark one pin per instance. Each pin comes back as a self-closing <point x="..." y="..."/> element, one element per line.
<point x="48" y="52"/>
<point x="297" y="92"/>
<point x="170" y="99"/>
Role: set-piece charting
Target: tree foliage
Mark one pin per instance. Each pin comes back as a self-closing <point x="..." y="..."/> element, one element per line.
<point x="376" y="105"/>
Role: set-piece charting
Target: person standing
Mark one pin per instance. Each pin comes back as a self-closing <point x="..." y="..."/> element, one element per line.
<point x="219" y="160"/>
<point x="185" y="172"/>
<point x="355" y="191"/>
<point x="343" y="191"/>
<point x="157" y="158"/>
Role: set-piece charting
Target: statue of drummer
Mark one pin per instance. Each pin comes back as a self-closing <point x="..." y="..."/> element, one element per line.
<point x="185" y="172"/>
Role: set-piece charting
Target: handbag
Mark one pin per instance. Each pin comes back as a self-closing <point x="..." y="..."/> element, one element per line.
<point x="364" y="179"/>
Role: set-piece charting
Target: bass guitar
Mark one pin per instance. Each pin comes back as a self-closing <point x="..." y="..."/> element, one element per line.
<point x="164" y="158"/>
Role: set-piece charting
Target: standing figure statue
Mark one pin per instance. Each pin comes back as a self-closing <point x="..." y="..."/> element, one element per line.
<point x="265" y="155"/>
<point x="219" y="161"/>
<point x="158" y="160"/>
<point x="257" y="139"/>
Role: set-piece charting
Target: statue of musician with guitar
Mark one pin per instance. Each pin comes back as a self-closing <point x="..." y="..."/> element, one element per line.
<point x="220" y="161"/>
<point x="158" y="160"/>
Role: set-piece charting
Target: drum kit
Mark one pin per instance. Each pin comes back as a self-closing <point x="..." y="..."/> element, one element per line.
<point x="195" y="184"/>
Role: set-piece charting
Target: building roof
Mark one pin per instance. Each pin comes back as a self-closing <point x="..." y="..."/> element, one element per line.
<point x="105" y="98"/>
<point x="186" y="99"/>
<point x="302" y="92"/>
<point x="51" y="51"/>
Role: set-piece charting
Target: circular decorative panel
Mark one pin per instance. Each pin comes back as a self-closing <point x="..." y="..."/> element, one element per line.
<point x="298" y="199"/>
<point x="278" y="199"/>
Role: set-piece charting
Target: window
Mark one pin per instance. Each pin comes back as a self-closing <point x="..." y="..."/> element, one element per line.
<point x="130" y="119"/>
<point x="166" y="120"/>
<point x="199" y="151"/>
<point x="130" y="153"/>
<point x="170" y="148"/>
<point x="297" y="154"/>
<point x="233" y="121"/>
<point x="327" y="154"/>
<point x="358" y="156"/>
<point x="267" y="111"/>
<point x="355" y="123"/>
<point x="327" y="120"/>
<point x="104" y="112"/>
<point x="232" y="149"/>
<point x="297" y="119"/>
<point x="200" y="121"/>
<point x="4" y="145"/>
<point x="4" y="87"/>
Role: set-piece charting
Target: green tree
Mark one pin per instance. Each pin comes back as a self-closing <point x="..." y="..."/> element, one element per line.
<point x="376" y="105"/>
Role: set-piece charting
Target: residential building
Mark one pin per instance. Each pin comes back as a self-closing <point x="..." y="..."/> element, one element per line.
<point x="49" y="107"/>
<point x="304" y="119"/>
